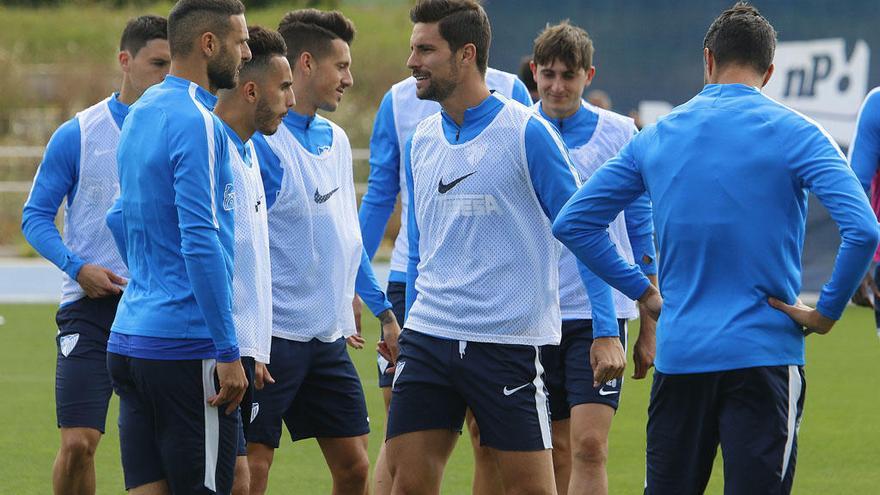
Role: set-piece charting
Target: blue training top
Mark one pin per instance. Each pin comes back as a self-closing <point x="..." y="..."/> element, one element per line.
<point x="174" y="225"/>
<point x="728" y="174"/>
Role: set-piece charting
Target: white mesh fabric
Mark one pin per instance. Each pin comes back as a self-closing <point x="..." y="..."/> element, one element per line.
<point x="409" y="110"/>
<point x="251" y="276"/>
<point x="85" y="229"/>
<point x="314" y="240"/>
<point x="489" y="263"/>
<point x="612" y="132"/>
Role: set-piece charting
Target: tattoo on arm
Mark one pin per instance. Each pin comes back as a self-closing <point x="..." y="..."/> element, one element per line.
<point x="386" y="317"/>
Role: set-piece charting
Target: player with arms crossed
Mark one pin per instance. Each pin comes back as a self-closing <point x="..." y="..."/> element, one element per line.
<point x="485" y="177"/>
<point x="399" y="113"/>
<point x="80" y="164"/>
<point x="728" y="174"/>
<point x="581" y="411"/>
<point x="258" y="103"/>
<point x="318" y="262"/>
<point x="173" y="339"/>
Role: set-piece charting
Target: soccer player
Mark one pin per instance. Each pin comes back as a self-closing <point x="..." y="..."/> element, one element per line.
<point x="864" y="158"/>
<point x="173" y="341"/>
<point x="258" y="103"/>
<point x="398" y="115"/>
<point x="728" y="174"/>
<point x="318" y="262"/>
<point x="80" y="164"/>
<point x="485" y="177"/>
<point x="582" y="413"/>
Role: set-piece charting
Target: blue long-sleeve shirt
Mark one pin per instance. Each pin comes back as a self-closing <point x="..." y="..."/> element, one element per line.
<point x="864" y="152"/>
<point x="383" y="184"/>
<point x="57" y="179"/>
<point x="552" y="181"/>
<point x="576" y="131"/>
<point x="315" y="134"/>
<point x="177" y="198"/>
<point x="728" y="174"/>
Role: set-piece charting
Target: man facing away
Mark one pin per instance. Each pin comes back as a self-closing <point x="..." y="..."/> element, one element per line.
<point x="318" y="262"/>
<point x="80" y="164"/>
<point x="399" y="113"/>
<point x="258" y="103"/>
<point x="485" y="176"/>
<point x="728" y="174"/>
<point x="173" y="342"/>
<point x="580" y="410"/>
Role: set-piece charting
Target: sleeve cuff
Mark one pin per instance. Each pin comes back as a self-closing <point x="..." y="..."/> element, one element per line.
<point x="827" y="311"/>
<point x="637" y="289"/>
<point x="228" y="355"/>
<point x="74" y="265"/>
<point x="386" y="305"/>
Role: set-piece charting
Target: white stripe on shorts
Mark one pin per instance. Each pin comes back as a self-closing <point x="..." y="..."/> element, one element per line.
<point x="212" y="424"/>
<point x="794" y="394"/>
<point x="541" y="401"/>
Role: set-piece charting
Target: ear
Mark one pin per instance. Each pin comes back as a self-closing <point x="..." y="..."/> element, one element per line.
<point x="249" y="91"/>
<point x="591" y="73"/>
<point x="209" y="44"/>
<point x="768" y="75"/>
<point x="124" y="58"/>
<point x="469" y="54"/>
<point x="534" y="67"/>
<point x="306" y="63"/>
<point x="709" y="60"/>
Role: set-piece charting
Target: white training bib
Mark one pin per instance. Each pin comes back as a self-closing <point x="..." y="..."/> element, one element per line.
<point x="409" y="110"/>
<point x="251" y="276"/>
<point x="314" y="239"/>
<point x="85" y="227"/>
<point x="488" y="269"/>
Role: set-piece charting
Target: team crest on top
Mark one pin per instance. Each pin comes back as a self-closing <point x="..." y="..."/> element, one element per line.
<point x="67" y="343"/>
<point x="475" y="153"/>
<point x="229" y="198"/>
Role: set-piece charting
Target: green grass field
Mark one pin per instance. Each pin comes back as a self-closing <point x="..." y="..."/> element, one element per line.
<point x="837" y="452"/>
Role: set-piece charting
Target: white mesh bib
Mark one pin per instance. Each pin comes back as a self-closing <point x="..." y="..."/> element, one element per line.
<point x="85" y="228"/>
<point x="489" y="263"/>
<point x="314" y="239"/>
<point x="251" y="276"/>
<point x="612" y="132"/>
<point x="409" y="110"/>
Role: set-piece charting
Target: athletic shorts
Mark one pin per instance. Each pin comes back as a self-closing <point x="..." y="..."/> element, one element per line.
<point x="570" y="375"/>
<point x="317" y="393"/>
<point x="82" y="384"/>
<point x="396" y="294"/>
<point x="245" y="409"/>
<point x="167" y="430"/>
<point x="437" y="379"/>
<point x="753" y="413"/>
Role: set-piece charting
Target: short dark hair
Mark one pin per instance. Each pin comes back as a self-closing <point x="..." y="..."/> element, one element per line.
<point x="140" y="31"/>
<point x="742" y="35"/>
<point x="565" y="42"/>
<point x="265" y="44"/>
<point x="190" y="19"/>
<point x="460" y="22"/>
<point x="312" y="30"/>
<point x="525" y="74"/>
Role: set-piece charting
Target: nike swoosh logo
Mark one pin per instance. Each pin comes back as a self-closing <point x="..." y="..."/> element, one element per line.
<point x="104" y="152"/>
<point x="508" y="391"/>
<point x="444" y="188"/>
<point x="602" y="391"/>
<point x="321" y="198"/>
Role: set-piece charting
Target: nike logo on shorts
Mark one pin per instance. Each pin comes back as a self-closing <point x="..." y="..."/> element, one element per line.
<point x="321" y="198"/>
<point x="444" y="188"/>
<point x="602" y="391"/>
<point x="511" y="391"/>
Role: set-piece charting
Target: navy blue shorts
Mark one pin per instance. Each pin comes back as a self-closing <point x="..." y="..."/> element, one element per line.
<point x="569" y="375"/>
<point x="247" y="403"/>
<point x="167" y="430"/>
<point x="317" y="393"/>
<point x="754" y="413"/>
<point x="82" y="384"/>
<point x="396" y="294"/>
<point x="436" y="380"/>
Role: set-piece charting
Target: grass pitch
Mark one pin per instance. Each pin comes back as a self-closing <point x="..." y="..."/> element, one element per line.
<point x="838" y="438"/>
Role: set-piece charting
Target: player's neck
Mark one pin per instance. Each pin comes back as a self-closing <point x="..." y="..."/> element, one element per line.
<point x="560" y="114"/>
<point x="737" y="75"/>
<point x="127" y="93"/>
<point x="236" y="117"/>
<point x="468" y="94"/>
<point x="192" y="71"/>
<point x="304" y="107"/>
